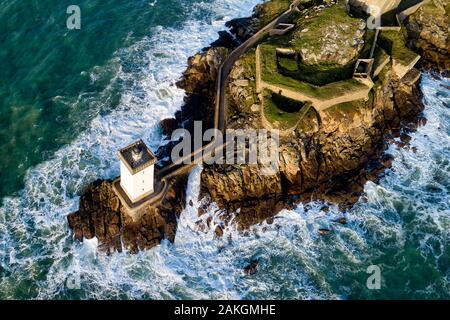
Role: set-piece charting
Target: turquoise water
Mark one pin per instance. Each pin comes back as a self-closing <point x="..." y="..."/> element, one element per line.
<point x="72" y="98"/>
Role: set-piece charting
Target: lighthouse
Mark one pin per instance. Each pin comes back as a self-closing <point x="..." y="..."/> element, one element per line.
<point x="137" y="170"/>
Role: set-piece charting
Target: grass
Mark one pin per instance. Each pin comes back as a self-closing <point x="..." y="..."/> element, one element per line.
<point x="379" y="57"/>
<point x="286" y="104"/>
<point x="335" y="16"/>
<point x="273" y="110"/>
<point x="272" y="9"/>
<point x="270" y="74"/>
<point x="369" y="37"/>
<point x="321" y="74"/>
<point x="248" y="62"/>
<point x="290" y="65"/>
<point x="394" y="42"/>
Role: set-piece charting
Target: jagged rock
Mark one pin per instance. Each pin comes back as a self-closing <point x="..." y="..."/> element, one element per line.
<point x="98" y="216"/>
<point x="428" y="29"/>
<point x="102" y="215"/>
<point x="201" y="74"/>
<point x="342" y="220"/>
<point x="329" y="157"/>
<point x="218" y="231"/>
<point x="339" y="43"/>
<point x="225" y="40"/>
<point x="252" y="268"/>
<point x="168" y="126"/>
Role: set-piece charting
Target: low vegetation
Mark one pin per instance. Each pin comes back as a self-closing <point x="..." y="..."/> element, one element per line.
<point x="270" y="74"/>
<point x="283" y="113"/>
<point x="394" y="42"/>
<point x="312" y="27"/>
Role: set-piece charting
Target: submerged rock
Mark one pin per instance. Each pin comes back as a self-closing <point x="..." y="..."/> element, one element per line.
<point x="324" y="231"/>
<point x="252" y="268"/>
<point x="341" y="220"/>
<point x="218" y="231"/>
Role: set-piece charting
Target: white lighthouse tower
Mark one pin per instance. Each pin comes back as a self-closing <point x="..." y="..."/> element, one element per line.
<point x="137" y="170"/>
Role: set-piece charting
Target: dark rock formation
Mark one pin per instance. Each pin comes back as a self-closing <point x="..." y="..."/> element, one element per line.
<point x="98" y="216"/>
<point x="168" y="126"/>
<point x="102" y="215"/>
<point x="201" y="73"/>
<point x="252" y="268"/>
<point x="243" y="28"/>
<point x="155" y="223"/>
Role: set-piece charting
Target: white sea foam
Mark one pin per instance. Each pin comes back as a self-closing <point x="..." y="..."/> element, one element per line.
<point x="408" y="208"/>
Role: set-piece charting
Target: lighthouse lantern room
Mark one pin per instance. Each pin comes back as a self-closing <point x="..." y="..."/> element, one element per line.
<point x="137" y="170"/>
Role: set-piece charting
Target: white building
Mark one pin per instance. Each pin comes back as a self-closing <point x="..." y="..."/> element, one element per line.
<point x="137" y="170"/>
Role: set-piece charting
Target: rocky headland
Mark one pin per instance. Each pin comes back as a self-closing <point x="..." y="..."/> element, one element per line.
<point x="328" y="154"/>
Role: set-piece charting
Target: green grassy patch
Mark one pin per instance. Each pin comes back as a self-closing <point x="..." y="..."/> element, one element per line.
<point x="275" y="107"/>
<point x="270" y="74"/>
<point x="379" y="57"/>
<point x="369" y="37"/>
<point x="320" y="74"/>
<point x="247" y="62"/>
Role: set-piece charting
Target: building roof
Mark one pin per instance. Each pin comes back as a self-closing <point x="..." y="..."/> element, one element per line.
<point x="137" y="156"/>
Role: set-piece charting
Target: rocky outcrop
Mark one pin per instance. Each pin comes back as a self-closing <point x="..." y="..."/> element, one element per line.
<point x="201" y="73"/>
<point x="102" y="215"/>
<point x="428" y="30"/>
<point x="98" y="216"/>
<point x="330" y="155"/>
<point x="341" y="36"/>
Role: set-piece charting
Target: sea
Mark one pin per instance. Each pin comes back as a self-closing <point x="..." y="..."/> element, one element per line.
<point x="69" y="99"/>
